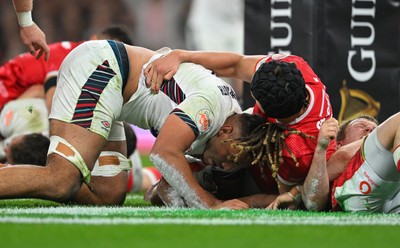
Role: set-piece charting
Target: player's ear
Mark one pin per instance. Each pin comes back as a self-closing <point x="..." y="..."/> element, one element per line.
<point x="339" y="144"/>
<point x="225" y="129"/>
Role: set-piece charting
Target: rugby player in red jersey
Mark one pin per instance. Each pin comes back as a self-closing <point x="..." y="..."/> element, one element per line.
<point x="363" y="175"/>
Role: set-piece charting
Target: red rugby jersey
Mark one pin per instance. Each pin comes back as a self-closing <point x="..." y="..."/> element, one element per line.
<point x="319" y="109"/>
<point x="18" y="74"/>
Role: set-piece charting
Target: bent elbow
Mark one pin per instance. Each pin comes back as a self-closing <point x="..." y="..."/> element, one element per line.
<point x="315" y="203"/>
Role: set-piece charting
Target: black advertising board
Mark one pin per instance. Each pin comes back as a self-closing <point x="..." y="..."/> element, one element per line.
<point x="353" y="46"/>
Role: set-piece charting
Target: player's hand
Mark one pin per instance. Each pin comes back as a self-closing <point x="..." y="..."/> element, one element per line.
<point x="283" y="201"/>
<point x="328" y="132"/>
<point x="234" y="204"/>
<point x="35" y="40"/>
<point x="163" y="68"/>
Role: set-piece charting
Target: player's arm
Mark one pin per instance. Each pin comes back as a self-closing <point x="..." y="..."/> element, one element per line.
<point x="259" y="200"/>
<point x="168" y="156"/>
<point x="338" y="162"/>
<point x="34" y="91"/>
<point x="289" y="198"/>
<point x="31" y="35"/>
<point x="315" y="190"/>
<point x="224" y="64"/>
<point x="49" y="89"/>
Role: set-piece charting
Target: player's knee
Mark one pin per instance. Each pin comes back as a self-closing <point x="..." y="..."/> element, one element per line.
<point x="67" y="151"/>
<point x="63" y="180"/>
<point x="109" y="190"/>
<point x="67" y="169"/>
<point x="66" y="190"/>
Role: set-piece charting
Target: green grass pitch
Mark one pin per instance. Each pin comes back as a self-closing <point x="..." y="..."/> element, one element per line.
<point x="36" y="223"/>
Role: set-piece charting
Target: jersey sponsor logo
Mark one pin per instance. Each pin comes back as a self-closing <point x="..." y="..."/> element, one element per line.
<point x="365" y="187"/>
<point x="205" y="119"/>
<point x="106" y="124"/>
<point x="370" y="181"/>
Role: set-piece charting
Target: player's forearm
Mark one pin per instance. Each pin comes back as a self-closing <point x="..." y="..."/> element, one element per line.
<point x="181" y="179"/>
<point x="340" y="159"/>
<point x="258" y="200"/>
<point x="315" y="190"/>
<point x="224" y="64"/>
<point x="22" y="5"/>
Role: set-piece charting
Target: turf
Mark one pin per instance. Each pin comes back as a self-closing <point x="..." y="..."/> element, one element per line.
<point x="35" y="223"/>
<point x="38" y="223"/>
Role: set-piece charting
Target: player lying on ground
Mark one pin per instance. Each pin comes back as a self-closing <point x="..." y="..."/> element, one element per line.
<point x="363" y="175"/>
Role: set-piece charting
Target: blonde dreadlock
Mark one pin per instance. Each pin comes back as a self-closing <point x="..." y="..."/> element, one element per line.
<point x="265" y="145"/>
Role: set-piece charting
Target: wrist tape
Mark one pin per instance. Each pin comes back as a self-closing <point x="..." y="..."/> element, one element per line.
<point x="25" y="19"/>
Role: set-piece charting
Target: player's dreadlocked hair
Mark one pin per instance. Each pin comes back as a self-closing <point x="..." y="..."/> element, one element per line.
<point x="279" y="88"/>
<point x="265" y="145"/>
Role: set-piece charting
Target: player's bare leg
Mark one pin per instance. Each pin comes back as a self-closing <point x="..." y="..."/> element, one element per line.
<point x="59" y="180"/>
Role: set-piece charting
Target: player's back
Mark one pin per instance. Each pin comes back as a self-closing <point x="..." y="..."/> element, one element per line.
<point x="194" y="90"/>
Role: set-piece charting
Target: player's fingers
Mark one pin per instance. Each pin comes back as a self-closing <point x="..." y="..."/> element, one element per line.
<point x="270" y="206"/>
<point x="157" y="84"/>
<point x="240" y="205"/>
<point x="46" y="50"/>
<point x="149" y="79"/>
<point x="153" y="81"/>
<point x="47" y="56"/>
<point x="148" y="73"/>
<point x="169" y="75"/>
<point x="41" y="52"/>
<point x="31" y="49"/>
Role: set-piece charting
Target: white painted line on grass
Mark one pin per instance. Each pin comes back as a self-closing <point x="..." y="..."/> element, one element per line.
<point x="145" y="216"/>
<point x="203" y="221"/>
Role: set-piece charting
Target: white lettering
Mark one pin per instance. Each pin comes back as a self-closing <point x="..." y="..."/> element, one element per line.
<point x="283" y="40"/>
<point x="362" y="76"/>
<point x="363" y="41"/>
<point x="358" y="44"/>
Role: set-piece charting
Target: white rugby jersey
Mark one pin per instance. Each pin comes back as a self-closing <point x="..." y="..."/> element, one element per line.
<point x="23" y="116"/>
<point x="197" y="96"/>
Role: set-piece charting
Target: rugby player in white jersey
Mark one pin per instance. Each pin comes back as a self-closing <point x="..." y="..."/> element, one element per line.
<point x="101" y="84"/>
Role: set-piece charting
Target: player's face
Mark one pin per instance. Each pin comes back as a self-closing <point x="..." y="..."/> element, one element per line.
<point x="357" y="129"/>
<point x="219" y="153"/>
